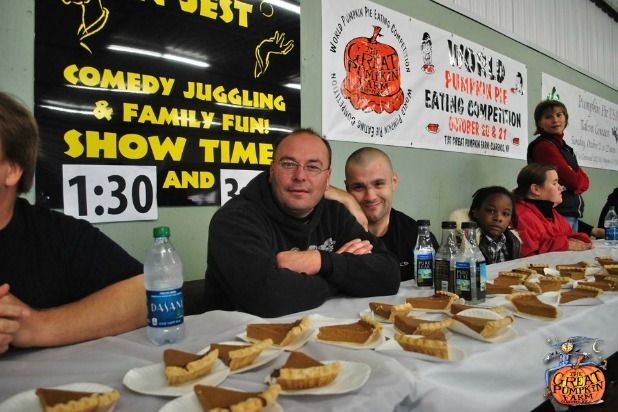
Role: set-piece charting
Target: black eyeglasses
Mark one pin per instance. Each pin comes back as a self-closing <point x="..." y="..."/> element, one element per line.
<point x="291" y="166"/>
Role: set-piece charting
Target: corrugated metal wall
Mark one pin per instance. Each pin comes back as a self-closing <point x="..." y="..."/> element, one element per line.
<point x="576" y="32"/>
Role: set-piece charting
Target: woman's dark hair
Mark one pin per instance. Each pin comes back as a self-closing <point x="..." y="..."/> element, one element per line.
<point x="532" y="174"/>
<point x="546" y="105"/>
<point x="483" y="193"/>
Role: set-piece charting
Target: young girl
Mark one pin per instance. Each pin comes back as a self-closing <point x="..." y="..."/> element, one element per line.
<point x="493" y="210"/>
<point x="541" y="227"/>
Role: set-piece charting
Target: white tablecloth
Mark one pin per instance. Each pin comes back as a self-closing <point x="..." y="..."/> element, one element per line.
<point x="505" y="376"/>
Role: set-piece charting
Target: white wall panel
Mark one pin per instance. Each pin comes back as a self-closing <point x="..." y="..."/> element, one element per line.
<point x="575" y="32"/>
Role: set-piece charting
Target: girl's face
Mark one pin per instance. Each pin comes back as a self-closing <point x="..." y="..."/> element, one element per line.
<point x="494" y="215"/>
<point x="551" y="189"/>
<point x="553" y="120"/>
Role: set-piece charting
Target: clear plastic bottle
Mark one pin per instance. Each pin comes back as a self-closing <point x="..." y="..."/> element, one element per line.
<point x="611" y="227"/>
<point x="423" y="256"/>
<point x="163" y="281"/>
<point x="444" y="278"/>
<point x="470" y="267"/>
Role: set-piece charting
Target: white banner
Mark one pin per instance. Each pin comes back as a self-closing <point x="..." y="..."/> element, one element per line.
<point x="390" y="79"/>
<point x="593" y="123"/>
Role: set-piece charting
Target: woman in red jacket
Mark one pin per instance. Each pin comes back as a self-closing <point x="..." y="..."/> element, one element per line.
<point x="541" y="227"/>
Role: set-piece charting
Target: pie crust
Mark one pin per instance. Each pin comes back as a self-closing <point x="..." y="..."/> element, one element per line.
<point x="214" y="399"/>
<point x="410" y="325"/>
<point x="425" y="346"/>
<point x="525" y="271"/>
<point x="612" y="269"/>
<point x="181" y="367"/>
<point x="538" y="267"/>
<point x="282" y="334"/>
<point x="603" y="285"/>
<point x="236" y="356"/>
<point x="363" y="332"/>
<point x="441" y="300"/>
<point x="457" y="307"/>
<point x="302" y="371"/>
<point x="574" y="272"/>
<point x="487" y="328"/>
<point x="389" y="312"/>
<point x="59" y="400"/>
<point x="580" y="292"/>
<point x="545" y="284"/>
<point x="528" y="303"/>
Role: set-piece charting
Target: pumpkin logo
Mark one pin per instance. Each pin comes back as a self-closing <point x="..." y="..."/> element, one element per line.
<point x="580" y="383"/>
<point x="373" y="77"/>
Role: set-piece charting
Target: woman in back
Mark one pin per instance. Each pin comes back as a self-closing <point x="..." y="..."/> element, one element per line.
<point x="541" y="228"/>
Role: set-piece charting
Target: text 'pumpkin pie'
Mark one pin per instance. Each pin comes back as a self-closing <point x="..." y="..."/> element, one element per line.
<point x="487" y="328"/>
<point x="281" y="334"/>
<point x="239" y="356"/>
<point x="389" y="312"/>
<point x="431" y="347"/>
<point x="580" y="292"/>
<point x="411" y="325"/>
<point x="214" y="399"/>
<point x="363" y="332"/>
<point x="181" y="367"/>
<point x="302" y="372"/>
<point x="529" y="303"/>
<point x="441" y="300"/>
<point x="59" y="400"/>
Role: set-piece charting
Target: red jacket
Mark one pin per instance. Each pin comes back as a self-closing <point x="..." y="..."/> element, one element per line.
<point x="541" y="235"/>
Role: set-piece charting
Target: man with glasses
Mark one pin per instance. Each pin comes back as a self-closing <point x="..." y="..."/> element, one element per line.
<point x="280" y="247"/>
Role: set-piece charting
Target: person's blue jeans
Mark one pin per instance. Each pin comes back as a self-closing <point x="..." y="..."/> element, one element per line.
<point x="573" y="221"/>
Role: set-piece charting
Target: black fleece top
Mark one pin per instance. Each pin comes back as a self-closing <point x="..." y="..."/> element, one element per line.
<point x="246" y="234"/>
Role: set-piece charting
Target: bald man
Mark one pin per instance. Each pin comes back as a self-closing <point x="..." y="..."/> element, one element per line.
<point x="371" y="180"/>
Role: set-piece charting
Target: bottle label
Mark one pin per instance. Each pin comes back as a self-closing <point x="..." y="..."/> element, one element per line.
<point x="462" y="280"/>
<point x="424" y="269"/>
<point x="165" y="308"/>
<point x="442" y="275"/>
<point x="481" y="279"/>
<point x="611" y="233"/>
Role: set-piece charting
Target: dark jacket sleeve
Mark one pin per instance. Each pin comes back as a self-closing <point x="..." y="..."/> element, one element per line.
<point x="242" y="260"/>
<point x="373" y="274"/>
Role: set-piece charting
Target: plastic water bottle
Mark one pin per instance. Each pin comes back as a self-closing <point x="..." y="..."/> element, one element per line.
<point x="611" y="227"/>
<point x="163" y="281"/>
<point x="470" y="267"/>
<point x="423" y="256"/>
<point x="444" y="278"/>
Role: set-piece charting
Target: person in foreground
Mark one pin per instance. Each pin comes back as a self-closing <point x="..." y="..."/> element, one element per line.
<point x="541" y="228"/>
<point x="280" y="247"/>
<point x="493" y="210"/>
<point x="371" y="181"/>
<point x="62" y="281"/>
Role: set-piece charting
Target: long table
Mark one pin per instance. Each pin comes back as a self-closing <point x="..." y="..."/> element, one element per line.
<point x="501" y="376"/>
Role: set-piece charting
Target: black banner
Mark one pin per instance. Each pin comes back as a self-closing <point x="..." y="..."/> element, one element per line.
<point x="189" y="86"/>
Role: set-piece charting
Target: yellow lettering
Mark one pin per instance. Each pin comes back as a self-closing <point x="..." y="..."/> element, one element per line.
<point x="76" y="148"/>
<point x="174" y="149"/>
<point x="194" y="179"/>
<point x="266" y="153"/>
<point x="246" y="154"/>
<point x="94" y="145"/>
<point x="262" y="154"/>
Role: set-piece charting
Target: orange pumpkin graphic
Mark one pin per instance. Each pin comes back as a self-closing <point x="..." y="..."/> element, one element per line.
<point x="373" y="78"/>
<point x="578" y="384"/>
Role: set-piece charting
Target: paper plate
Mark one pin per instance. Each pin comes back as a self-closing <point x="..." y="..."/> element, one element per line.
<point x="505" y="334"/>
<point x="190" y="403"/>
<point x="353" y="376"/>
<point x="150" y="380"/>
<point x="299" y="341"/>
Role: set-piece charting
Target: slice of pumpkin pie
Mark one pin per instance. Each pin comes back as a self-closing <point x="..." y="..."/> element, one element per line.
<point x="431" y="347"/>
<point x="458" y="307"/>
<point x="239" y="356"/>
<point x="181" y="367"/>
<point x="217" y="399"/>
<point x="363" y="332"/>
<point x="528" y="303"/>
<point x="580" y="292"/>
<point x="302" y="371"/>
<point x="282" y="334"/>
<point x="57" y="400"/>
<point x="411" y="325"/>
<point x="386" y="311"/>
<point x="487" y="328"/>
<point x="441" y="300"/>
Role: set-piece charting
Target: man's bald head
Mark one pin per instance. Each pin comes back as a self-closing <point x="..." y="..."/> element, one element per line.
<point x="366" y="155"/>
